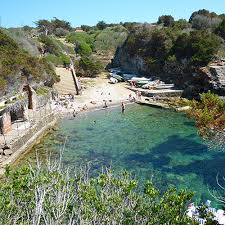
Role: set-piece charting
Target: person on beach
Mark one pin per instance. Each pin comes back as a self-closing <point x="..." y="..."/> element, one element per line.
<point x="105" y="104"/>
<point x="74" y="113"/>
<point x="130" y="97"/>
<point x="123" y="107"/>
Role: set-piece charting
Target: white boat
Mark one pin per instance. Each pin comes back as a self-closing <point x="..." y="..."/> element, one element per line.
<point x="165" y="86"/>
<point x="140" y="79"/>
<point x="149" y="84"/>
<point x="113" y="80"/>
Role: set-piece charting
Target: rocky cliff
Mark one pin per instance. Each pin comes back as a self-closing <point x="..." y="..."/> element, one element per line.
<point x="155" y="53"/>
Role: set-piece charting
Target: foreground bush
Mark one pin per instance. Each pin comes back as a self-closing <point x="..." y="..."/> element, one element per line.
<point x="53" y="195"/>
<point x="208" y="113"/>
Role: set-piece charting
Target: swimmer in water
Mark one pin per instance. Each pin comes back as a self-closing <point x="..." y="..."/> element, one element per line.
<point x="123" y="107"/>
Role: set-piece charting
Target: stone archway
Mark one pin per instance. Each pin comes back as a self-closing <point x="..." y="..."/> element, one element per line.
<point x="29" y="92"/>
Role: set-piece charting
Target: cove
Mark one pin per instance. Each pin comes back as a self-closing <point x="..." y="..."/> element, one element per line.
<point x="151" y="143"/>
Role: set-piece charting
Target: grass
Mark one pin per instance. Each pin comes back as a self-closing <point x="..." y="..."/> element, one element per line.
<point x="42" y="91"/>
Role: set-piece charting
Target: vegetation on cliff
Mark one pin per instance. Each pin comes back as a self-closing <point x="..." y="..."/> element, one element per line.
<point x="94" y="46"/>
<point x="18" y="66"/>
<point x="175" y="50"/>
<point x="208" y="113"/>
<point x="174" y="41"/>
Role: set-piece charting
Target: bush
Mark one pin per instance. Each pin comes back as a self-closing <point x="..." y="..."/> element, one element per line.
<point x="58" y="60"/>
<point x="60" y="32"/>
<point x="17" y="65"/>
<point x="49" y="45"/>
<point x="203" y="47"/>
<point x="220" y="30"/>
<point x="110" y="39"/>
<point x="166" y="20"/>
<point x="208" y="113"/>
<point x="77" y="37"/>
<point x="53" y="195"/>
<point x="83" y="49"/>
<point x="181" y="24"/>
<point x="89" y="67"/>
<point x="199" y="47"/>
<point x="3" y="83"/>
<point x="201" y="22"/>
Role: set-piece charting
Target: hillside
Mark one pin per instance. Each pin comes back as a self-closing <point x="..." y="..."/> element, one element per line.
<point x="180" y="51"/>
<point x="177" y="51"/>
<point x="18" y="67"/>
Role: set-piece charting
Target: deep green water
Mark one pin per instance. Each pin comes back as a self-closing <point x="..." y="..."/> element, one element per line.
<point x="150" y="143"/>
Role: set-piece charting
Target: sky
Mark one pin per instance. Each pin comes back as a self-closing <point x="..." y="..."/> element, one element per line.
<point x="17" y="13"/>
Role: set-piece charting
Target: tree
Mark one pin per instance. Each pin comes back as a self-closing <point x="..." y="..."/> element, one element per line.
<point x="204" y="45"/>
<point x="44" y="26"/>
<point x="86" y="28"/>
<point x="181" y="24"/>
<point x="57" y="23"/>
<point x="27" y="28"/>
<point x="181" y="47"/>
<point x="220" y="30"/>
<point x="202" y="12"/>
<point x="166" y="20"/>
<point x="201" y="22"/>
<point x="101" y="25"/>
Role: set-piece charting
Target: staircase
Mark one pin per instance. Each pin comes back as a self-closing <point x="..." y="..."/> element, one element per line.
<point x="66" y="84"/>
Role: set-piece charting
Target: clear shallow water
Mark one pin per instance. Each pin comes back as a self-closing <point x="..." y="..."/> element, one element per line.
<point x="150" y="143"/>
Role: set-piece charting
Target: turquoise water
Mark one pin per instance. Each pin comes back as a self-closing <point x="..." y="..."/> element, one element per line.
<point x="151" y="143"/>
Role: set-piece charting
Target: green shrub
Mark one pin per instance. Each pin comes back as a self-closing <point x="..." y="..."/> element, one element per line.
<point x="89" y="67"/>
<point x="41" y="91"/>
<point x="3" y="83"/>
<point x="83" y="49"/>
<point x="60" y="32"/>
<point x="49" y="45"/>
<point x="79" y="37"/>
<point x="110" y="39"/>
<point x="58" y="60"/>
<point x="17" y="64"/>
<point x="52" y="195"/>
<point x="220" y="30"/>
<point x="208" y="113"/>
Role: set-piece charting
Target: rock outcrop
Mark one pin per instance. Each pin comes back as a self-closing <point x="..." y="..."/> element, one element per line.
<point x="192" y="80"/>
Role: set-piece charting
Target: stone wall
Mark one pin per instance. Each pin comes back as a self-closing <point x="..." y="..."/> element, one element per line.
<point x="31" y="132"/>
<point x="26" y="141"/>
<point x="6" y="123"/>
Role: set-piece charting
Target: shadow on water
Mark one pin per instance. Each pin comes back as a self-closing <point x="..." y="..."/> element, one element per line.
<point x="205" y="164"/>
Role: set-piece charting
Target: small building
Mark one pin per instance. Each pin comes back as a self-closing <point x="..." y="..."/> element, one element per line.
<point x="79" y="30"/>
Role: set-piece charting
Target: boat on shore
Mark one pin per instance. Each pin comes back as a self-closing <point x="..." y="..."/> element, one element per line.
<point x="164" y="86"/>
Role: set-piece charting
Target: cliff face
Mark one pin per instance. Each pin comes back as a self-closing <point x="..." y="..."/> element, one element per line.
<point x="193" y="79"/>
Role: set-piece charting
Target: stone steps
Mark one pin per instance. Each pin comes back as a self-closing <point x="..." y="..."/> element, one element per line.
<point x="66" y="84"/>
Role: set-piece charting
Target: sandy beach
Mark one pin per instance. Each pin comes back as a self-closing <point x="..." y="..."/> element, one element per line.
<point x="96" y="93"/>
